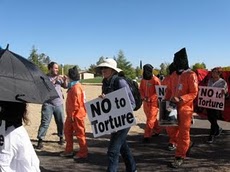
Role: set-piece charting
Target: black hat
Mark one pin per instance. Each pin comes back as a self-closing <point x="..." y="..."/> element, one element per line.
<point x="147" y="71"/>
<point x="181" y="60"/>
<point x="74" y="74"/>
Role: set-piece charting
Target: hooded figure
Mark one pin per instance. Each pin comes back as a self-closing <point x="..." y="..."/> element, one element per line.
<point x="171" y="68"/>
<point x="148" y="71"/>
<point x="181" y="61"/>
<point x="181" y="90"/>
<point x="150" y="102"/>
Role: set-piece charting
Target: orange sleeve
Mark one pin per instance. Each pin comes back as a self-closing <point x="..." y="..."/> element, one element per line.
<point x="192" y="87"/>
<point x="75" y="103"/>
<point x="168" y="92"/>
<point x="153" y="94"/>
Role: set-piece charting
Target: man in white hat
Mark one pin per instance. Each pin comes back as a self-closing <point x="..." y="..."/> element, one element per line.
<point x="117" y="144"/>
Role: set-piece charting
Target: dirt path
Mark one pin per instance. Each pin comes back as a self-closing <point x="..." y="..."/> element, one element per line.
<point x="149" y="157"/>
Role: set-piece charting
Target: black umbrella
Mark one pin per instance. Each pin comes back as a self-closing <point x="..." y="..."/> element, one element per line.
<point x="23" y="81"/>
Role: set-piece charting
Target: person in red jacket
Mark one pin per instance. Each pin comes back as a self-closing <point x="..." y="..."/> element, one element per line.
<point x="182" y="90"/>
<point x="150" y="101"/>
<point x="76" y="113"/>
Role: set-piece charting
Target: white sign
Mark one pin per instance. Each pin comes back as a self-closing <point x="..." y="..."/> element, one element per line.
<point x="110" y="114"/>
<point x="2" y="134"/>
<point x="211" y="97"/>
<point x="160" y="90"/>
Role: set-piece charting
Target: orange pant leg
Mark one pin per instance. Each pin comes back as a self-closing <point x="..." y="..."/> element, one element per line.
<point x="68" y="131"/>
<point x="151" y="116"/>
<point x="79" y="127"/>
<point x="157" y="128"/>
<point x="183" y="140"/>
<point x="173" y="134"/>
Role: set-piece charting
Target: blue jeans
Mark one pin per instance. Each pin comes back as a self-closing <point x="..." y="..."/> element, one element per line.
<point x="47" y="112"/>
<point x="117" y="146"/>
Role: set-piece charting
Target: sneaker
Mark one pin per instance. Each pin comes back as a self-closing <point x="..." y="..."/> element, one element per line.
<point x="61" y="141"/>
<point x="178" y="161"/>
<point x="66" y="154"/>
<point x="171" y="147"/>
<point x="210" y="139"/>
<point x="146" y="140"/>
<point x="40" y="144"/>
<point x="219" y="132"/>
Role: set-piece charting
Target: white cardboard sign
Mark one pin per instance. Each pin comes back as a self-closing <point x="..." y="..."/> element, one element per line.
<point x="211" y="97"/>
<point x="110" y="114"/>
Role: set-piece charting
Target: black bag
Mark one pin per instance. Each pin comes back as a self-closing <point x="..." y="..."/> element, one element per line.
<point x="133" y="85"/>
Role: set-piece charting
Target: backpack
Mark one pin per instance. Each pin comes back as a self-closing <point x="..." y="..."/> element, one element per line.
<point x="133" y="85"/>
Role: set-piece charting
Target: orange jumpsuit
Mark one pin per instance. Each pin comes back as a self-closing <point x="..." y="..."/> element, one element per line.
<point x="184" y="86"/>
<point x="166" y="81"/>
<point x="74" y="124"/>
<point x="150" y="105"/>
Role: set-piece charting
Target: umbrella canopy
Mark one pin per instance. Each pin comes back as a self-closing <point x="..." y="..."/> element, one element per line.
<point x="23" y="81"/>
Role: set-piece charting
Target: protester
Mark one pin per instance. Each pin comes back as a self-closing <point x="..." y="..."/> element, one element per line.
<point x="75" y="119"/>
<point x="213" y="114"/>
<point x="118" y="144"/>
<point x="16" y="150"/>
<point x="182" y="90"/>
<point x="150" y="102"/>
<point x="171" y="69"/>
<point x="166" y="81"/>
<point x="53" y="107"/>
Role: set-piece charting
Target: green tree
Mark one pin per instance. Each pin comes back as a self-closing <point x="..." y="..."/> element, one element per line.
<point x="38" y="59"/>
<point x="101" y="59"/>
<point x="198" y="66"/>
<point x="92" y="69"/>
<point x="138" y="72"/>
<point x="125" y="65"/>
<point x="34" y="56"/>
<point x="163" y="69"/>
<point x="227" y="68"/>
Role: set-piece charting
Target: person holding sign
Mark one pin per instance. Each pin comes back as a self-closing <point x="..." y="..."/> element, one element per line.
<point x="76" y="113"/>
<point x="117" y="144"/>
<point x="150" y="101"/>
<point x="182" y="90"/>
<point x="213" y="114"/>
<point x="16" y="150"/>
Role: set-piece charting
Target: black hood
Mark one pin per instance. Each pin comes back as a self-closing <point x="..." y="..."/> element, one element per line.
<point x="147" y="72"/>
<point x="181" y="61"/>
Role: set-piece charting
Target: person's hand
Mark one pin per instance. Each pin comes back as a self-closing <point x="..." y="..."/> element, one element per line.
<point x="65" y="78"/>
<point x="175" y="99"/>
<point x="102" y="96"/>
<point x="59" y="77"/>
<point x="222" y="93"/>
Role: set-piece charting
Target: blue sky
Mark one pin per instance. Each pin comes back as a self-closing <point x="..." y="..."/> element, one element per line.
<point x="80" y="31"/>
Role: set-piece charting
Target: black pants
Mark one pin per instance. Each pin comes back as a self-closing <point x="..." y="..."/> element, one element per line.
<point x="213" y="116"/>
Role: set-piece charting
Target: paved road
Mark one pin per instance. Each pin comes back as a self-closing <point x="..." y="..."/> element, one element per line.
<point x="150" y="157"/>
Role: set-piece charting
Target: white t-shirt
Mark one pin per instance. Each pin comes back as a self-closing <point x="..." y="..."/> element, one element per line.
<point x="18" y="155"/>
